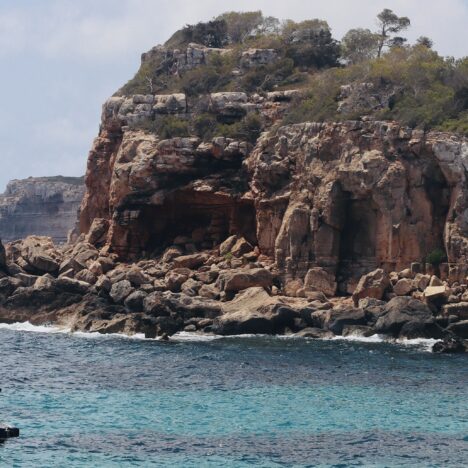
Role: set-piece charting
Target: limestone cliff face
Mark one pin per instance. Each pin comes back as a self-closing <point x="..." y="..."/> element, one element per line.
<point x="350" y="197"/>
<point x="42" y="206"/>
<point x="345" y="197"/>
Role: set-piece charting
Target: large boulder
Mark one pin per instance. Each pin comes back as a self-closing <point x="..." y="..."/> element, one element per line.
<point x="233" y="281"/>
<point x="459" y="328"/>
<point x="36" y="254"/>
<point x="342" y="316"/>
<point x="318" y="279"/>
<point x="254" y="311"/>
<point x="373" y="285"/>
<point x="399" y="311"/>
<point x="460" y="310"/>
<point x="120" y="291"/>
<point x="192" y="261"/>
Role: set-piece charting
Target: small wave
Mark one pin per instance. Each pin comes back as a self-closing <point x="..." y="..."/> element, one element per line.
<point x="194" y="336"/>
<point x="183" y="336"/>
<point x="361" y="339"/>
<point x="29" y="327"/>
<point x="424" y="343"/>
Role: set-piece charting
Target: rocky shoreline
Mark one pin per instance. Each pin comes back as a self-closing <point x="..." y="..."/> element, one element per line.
<point x="230" y="290"/>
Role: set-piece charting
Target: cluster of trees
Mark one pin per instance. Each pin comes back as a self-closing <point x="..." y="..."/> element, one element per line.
<point x="309" y="43"/>
<point x="433" y="91"/>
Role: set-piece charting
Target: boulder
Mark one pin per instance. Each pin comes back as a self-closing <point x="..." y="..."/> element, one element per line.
<point x="226" y="246"/>
<point x="254" y="311"/>
<point x="373" y="308"/>
<point x="435" y="292"/>
<point x="137" y="277"/>
<point x="87" y="276"/>
<point x="341" y="316"/>
<point x="134" y="301"/>
<point x="42" y="262"/>
<point x="241" y="247"/>
<point x="237" y="280"/>
<point x="421" y="281"/>
<point x="399" y="311"/>
<point x="459" y="310"/>
<point x="421" y="329"/>
<point x="373" y="285"/>
<point x="71" y="285"/>
<point x="459" y="329"/>
<point x="209" y="291"/>
<point x="403" y="287"/>
<point x="311" y="332"/>
<point x="318" y="279"/>
<point x="192" y="262"/>
<point x="174" y="281"/>
<point x="120" y="291"/>
<point x="103" y="283"/>
<point x="292" y="287"/>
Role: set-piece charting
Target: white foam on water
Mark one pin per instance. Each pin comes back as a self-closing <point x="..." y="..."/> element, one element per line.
<point x="194" y="336"/>
<point x="29" y="327"/>
<point x="424" y="343"/>
<point x="361" y="339"/>
<point x="421" y="343"/>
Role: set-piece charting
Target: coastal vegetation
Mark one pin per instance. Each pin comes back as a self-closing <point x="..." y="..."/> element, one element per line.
<point x="427" y="90"/>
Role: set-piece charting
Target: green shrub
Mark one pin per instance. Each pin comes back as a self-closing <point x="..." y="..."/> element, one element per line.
<point x="436" y="257"/>
<point x="205" y="126"/>
<point x="247" y="129"/>
<point x="171" y="127"/>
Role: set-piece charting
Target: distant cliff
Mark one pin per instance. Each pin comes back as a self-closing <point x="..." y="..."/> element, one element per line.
<point x="45" y="206"/>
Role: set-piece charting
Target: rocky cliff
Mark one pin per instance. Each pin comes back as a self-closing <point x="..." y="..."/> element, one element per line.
<point x="208" y="212"/>
<point x="344" y="197"/>
<point x="43" y="206"/>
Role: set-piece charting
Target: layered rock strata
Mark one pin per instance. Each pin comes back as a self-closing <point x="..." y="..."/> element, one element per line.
<point x="46" y="206"/>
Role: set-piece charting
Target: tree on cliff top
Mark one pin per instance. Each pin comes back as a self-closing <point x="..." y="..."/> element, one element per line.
<point x="310" y="43"/>
<point x="389" y="25"/>
<point x="241" y="25"/>
<point x="358" y="45"/>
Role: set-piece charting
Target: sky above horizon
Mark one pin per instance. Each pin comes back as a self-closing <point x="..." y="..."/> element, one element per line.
<point x="61" y="59"/>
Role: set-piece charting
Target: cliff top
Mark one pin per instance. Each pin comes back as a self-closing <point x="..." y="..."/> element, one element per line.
<point x="367" y="74"/>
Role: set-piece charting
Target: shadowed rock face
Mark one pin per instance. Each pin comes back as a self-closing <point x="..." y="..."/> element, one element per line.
<point x="40" y="206"/>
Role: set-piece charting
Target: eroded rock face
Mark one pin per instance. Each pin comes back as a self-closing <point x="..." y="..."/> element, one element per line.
<point x="351" y="197"/>
<point x="342" y="199"/>
<point x="44" y="206"/>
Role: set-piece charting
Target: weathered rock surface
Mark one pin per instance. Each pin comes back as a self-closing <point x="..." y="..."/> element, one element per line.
<point x="44" y="206"/>
<point x="254" y="311"/>
<point x="399" y="311"/>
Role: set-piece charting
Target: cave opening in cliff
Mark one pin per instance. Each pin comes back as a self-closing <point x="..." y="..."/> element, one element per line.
<point x="357" y="247"/>
<point x="203" y="219"/>
<point x="438" y="191"/>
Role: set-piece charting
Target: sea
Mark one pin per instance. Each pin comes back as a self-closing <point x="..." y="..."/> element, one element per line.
<point x="86" y="400"/>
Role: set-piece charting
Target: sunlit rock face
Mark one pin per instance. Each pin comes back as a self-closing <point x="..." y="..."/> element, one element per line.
<point x="46" y="206"/>
<point x="346" y="197"/>
<point x="354" y="196"/>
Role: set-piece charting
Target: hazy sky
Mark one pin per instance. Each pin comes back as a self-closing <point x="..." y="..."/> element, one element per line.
<point x="60" y="59"/>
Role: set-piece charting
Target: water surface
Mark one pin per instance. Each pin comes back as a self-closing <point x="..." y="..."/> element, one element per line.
<point x="270" y="402"/>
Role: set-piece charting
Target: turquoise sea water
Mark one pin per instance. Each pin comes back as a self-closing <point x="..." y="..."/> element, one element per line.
<point x="234" y="402"/>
